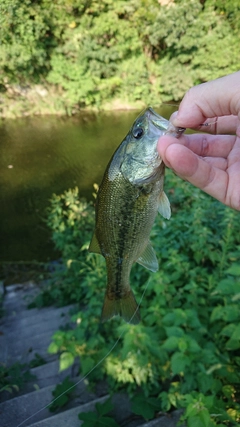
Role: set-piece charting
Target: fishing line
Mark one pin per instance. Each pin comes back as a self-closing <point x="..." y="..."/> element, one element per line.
<point x="165" y="104"/>
<point x="170" y="104"/>
<point x="91" y="370"/>
<point x="208" y="123"/>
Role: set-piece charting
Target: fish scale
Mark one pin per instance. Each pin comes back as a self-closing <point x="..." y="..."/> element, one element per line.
<point x="129" y="197"/>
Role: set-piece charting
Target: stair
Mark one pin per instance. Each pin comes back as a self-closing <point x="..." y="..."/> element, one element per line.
<point x="25" y="333"/>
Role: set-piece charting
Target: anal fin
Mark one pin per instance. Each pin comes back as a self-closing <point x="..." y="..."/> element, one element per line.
<point x="148" y="259"/>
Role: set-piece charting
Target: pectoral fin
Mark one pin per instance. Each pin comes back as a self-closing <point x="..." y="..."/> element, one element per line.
<point x="148" y="259"/>
<point x="114" y="168"/>
<point x="94" y="245"/>
<point x="164" y="206"/>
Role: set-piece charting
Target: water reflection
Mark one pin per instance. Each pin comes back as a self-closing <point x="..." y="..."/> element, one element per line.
<point x="40" y="156"/>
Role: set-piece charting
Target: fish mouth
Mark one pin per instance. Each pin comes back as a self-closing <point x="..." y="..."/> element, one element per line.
<point x="157" y="120"/>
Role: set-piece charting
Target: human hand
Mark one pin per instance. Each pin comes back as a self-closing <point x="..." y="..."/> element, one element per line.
<point x="210" y="162"/>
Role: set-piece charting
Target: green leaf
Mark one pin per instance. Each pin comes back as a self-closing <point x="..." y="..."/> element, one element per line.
<point x="179" y="361"/>
<point x="66" y="360"/>
<point x="98" y="419"/>
<point x="236" y="333"/>
<point x="182" y="344"/>
<point x="104" y="408"/>
<point x="170" y="343"/>
<point x="89" y="417"/>
<point x="232" y="344"/>
<point x="92" y="419"/>
<point x="165" y="401"/>
<point x="174" y="331"/>
<point x="87" y="363"/>
<point x="228" y="330"/>
<point x="227" y="313"/>
<point x="62" y="393"/>
<point x="205" y="417"/>
<point x="107" y="421"/>
<point x="146" y="407"/>
<point x="228" y="391"/>
<point x="234" y="270"/>
<point x="196" y="421"/>
<point x="53" y="348"/>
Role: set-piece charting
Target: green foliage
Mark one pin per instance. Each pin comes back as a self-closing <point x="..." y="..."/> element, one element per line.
<point x="92" y="52"/>
<point x="71" y="221"/>
<point x="99" y="418"/>
<point x="145" y="406"/>
<point x="13" y="378"/>
<point x="229" y="9"/>
<point x="185" y="352"/>
<point x="62" y="394"/>
<point x="24" y="53"/>
<point x="38" y="360"/>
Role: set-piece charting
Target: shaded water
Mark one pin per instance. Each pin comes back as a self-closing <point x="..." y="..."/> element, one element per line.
<point x="40" y="156"/>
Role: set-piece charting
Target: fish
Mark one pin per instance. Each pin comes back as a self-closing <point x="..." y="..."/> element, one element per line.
<point x="128" y="200"/>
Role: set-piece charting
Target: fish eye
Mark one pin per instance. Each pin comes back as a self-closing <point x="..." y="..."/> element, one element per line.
<point x="138" y="132"/>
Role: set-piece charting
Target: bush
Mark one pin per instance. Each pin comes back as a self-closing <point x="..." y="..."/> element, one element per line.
<point x="71" y="220"/>
<point x="92" y="52"/>
<point x="185" y="352"/>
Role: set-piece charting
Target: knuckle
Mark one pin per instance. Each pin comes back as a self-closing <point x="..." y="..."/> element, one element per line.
<point x="204" y="147"/>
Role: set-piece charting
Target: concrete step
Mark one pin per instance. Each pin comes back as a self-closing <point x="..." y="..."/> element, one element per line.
<point x="121" y="413"/>
<point x="19" y="409"/>
<point x="48" y="374"/>
<point x="23" y="333"/>
<point x="45" y="375"/>
<point x="67" y="418"/>
<point x="16" y="410"/>
<point x="33" y="315"/>
<point x="30" y="331"/>
<point x="28" y="327"/>
<point x="18" y="296"/>
<point x="24" y="351"/>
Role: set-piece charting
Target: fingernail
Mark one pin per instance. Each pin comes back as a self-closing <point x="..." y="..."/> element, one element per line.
<point x="173" y="117"/>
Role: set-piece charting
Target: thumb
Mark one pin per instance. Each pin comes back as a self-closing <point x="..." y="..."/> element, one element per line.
<point x="177" y="157"/>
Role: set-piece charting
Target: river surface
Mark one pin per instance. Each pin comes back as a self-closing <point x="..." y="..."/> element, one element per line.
<point x="40" y="156"/>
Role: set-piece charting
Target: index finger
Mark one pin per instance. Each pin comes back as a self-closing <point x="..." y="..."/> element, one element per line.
<point x="220" y="97"/>
<point x="225" y="125"/>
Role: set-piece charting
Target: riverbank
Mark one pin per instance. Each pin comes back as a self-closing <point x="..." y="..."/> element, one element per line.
<point x="32" y="100"/>
<point x="59" y="58"/>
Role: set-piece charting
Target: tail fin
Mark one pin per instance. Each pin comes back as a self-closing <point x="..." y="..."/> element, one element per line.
<point x="126" y="307"/>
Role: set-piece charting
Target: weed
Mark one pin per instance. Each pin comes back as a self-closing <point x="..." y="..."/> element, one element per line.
<point x="38" y="360"/>
<point x="62" y="393"/>
<point x="185" y="352"/>
<point x="13" y="378"/>
<point x="100" y="417"/>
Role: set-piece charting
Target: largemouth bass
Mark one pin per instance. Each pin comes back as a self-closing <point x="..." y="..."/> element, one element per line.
<point x="129" y="197"/>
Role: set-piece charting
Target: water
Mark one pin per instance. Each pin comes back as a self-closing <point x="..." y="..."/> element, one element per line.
<point x="40" y="156"/>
